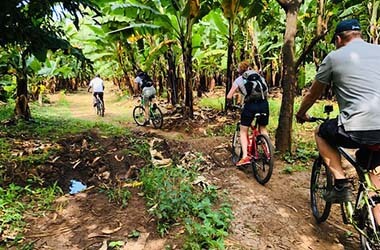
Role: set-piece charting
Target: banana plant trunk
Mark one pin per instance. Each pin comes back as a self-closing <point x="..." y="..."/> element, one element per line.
<point x="187" y="48"/>
<point x="230" y="66"/>
<point x="172" y="77"/>
<point x="188" y="80"/>
<point x="289" y="79"/>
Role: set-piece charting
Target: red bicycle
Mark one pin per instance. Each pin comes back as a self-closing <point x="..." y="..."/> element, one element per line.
<point x="260" y="149"/>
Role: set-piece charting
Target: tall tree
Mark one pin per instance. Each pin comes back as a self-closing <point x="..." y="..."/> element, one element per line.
<point x="289" y="79"/>
<point x="29" y="25"/>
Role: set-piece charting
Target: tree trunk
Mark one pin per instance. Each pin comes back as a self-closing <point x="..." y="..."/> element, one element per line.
<point x="22" y="107"/>
<point x="289" y="79"/>
<point x="172" y="77"/>
<point x="188" y="80"/>
<point x="230" y="51"/>
<point x="187" y="58"/>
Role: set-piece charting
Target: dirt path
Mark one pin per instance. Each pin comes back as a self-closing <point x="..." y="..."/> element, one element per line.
<point x="275" y="216"/>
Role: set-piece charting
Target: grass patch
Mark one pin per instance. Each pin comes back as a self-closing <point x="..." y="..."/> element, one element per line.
<point x="16" y="200"/>
<point x="119" y="195"/>
<point x="212" y="102"/>
<point x="174" y="199"/>
<point x="289" y="169"/>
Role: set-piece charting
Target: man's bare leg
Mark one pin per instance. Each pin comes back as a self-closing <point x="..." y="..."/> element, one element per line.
<point x="331" y="156"/>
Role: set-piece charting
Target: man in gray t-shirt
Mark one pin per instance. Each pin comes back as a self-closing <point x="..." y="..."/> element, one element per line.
<point x="353" y="71"/>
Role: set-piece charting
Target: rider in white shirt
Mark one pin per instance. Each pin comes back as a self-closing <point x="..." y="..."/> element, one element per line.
<point x="97" y="86"/>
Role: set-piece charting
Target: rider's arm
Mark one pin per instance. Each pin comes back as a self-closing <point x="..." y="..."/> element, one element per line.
<point x="232" y="91"/>
<point x="312" y="95"/>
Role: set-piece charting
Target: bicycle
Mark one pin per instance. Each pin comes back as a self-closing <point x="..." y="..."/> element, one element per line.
<point x="155" y="114"/>
<point x="99" y="107"/>
<point x="260" y="149"/>
<point x="358" y="214"/>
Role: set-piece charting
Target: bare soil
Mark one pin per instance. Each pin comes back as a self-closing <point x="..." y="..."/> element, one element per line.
<point x="274" y="216"/>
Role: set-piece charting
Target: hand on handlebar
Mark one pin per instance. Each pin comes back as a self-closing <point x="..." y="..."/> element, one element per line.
<point x="229" y="104"/>
<point x="301" y="118"/>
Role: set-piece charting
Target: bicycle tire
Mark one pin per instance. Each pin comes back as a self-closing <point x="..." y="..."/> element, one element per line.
<point x="262" y="168"/>
<point x="98" y="108"/>
<point x="139" y="115"/>
<point x="321" y="181"/>
<point x="101" y="107"/>
<point x="156" y="117"/>
<point x="369" y="233"/>
<point x="236" y="149"/>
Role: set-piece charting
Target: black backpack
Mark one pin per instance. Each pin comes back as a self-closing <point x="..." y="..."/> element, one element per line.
<point x="146" y="81"/>
<point x="255" y="86"/>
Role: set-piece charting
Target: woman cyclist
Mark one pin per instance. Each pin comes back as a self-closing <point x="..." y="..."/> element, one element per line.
<point x="252" y="106"/>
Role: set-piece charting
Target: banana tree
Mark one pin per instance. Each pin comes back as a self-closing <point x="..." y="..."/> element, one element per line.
<point x="174" y="20"/>
<point x="29" y="26"/>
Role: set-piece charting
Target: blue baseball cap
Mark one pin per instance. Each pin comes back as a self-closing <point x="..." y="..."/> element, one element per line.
<point x="349" y="24"/>
<point x="345" y="25"/>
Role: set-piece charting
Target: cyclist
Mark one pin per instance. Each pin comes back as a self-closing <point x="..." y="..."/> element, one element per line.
<point x="146" y="86"/>
<point x="97" y="86"/>
<point x="251" y="107"/>
<point x="353" y="72"/>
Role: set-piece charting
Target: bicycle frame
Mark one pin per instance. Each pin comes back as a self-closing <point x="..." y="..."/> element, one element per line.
<point x="98" y="99"/>
<point x="252" y="144"/>
<point x="359" y="213"/>
<point x="363" y="199"/>
<point x="142" y="101"/>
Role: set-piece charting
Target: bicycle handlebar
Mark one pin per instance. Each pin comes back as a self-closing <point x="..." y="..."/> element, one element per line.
<point x="315" y="119"/>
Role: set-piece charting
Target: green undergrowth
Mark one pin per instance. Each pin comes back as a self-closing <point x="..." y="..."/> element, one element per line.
<point x="174" y="199"/>
<point x="29" y="144"/>
<point x="16" y="202"/>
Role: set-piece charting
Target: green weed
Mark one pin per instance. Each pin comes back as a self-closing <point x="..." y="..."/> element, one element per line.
<point x="173" y="198"/>
<point x="116" y="244"/>
<point x="118" y="195"/>
<point x="139" y="148"/>
<point x="289" y="169"/>
<point x="6" y="111"/>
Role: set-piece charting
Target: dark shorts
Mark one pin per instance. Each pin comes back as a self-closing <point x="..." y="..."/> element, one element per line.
<point x="100" y="95"/>
<point x="249" y="111"/>
<point x="336" y="136"/>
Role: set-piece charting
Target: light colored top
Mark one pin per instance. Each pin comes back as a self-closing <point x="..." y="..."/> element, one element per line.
<point x="138" y="80"/>
<point x="354" y="71"/>
<point x="97" y="84"/>
<point x="239" y="83"/>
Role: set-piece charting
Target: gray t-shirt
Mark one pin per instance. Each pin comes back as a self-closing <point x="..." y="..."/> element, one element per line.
<point x="354" y="71"/>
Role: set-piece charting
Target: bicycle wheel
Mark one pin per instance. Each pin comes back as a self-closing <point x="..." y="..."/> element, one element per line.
<point x="101" y="109"/>
<point x="321" y="181"/>
<point x="236" y="149"/>
<point x="369" y="233"/>
<point x="98" y="108"/>
<point x="156" y="117"/>
<point x="139" y="115"/>
<point x="263" y="166"/>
